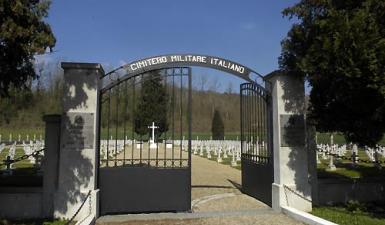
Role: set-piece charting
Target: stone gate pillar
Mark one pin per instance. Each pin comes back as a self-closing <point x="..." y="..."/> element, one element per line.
<point x="50" y="163"/>
<point x="78" y="142"/>
<point x="291" y="185"/>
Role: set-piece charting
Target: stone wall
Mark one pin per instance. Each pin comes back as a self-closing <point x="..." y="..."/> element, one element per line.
<point x="21" y="203"/>
<point x="334" y="191"/>
<point x="29" y="202"/>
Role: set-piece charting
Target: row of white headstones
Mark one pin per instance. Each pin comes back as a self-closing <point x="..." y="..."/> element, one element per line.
<point x="20" y="138"/>
<point x="221" y="149"/>
<point x="325" y="150"/>
<point x="112" y="147"/>
<point x="28" y="148"/>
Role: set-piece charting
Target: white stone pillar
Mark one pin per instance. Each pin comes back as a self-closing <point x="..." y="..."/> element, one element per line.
<point x="79" y="141"/>
<point x="291" y="185"/>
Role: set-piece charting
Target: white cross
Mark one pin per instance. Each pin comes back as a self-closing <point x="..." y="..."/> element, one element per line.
<point x="153" y="127"/>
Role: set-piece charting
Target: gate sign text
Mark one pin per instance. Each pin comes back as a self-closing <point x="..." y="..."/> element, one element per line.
<point x="165" y="61"/>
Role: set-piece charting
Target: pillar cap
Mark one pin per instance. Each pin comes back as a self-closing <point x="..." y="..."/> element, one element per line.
<point x="273" y="74"/>
<point x="79" y="65"/>
<point x="52" y="118"/>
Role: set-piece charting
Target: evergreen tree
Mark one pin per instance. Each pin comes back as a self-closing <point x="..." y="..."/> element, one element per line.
<point x="23" y="33"/>
<point x="339" y="47"/>
<point x="152" y="105"/>
<point x="217" y="126"/>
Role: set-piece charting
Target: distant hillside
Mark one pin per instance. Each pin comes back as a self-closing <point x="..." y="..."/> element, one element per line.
<point x="204" y="104"/>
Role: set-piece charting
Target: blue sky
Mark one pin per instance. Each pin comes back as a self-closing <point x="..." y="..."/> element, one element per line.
<point x="118" y="31"/>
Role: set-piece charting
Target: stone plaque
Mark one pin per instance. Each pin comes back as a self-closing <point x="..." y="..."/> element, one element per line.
<point x="292" y="130"/>
<point x="78" y="131"/>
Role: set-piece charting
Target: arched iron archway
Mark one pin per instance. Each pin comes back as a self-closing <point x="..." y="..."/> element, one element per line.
<point x="141" y="66"/>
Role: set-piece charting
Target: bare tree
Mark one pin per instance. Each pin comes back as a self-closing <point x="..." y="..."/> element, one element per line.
<point x="229" y="88"/>
<point x="202" y="82"/>
<point x="214" y="85"/>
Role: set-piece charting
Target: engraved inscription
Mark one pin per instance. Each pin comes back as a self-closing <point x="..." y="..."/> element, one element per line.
<point x="292" y="130"/>
<point x="79" y="131"/>
<point x="146" y="64"/>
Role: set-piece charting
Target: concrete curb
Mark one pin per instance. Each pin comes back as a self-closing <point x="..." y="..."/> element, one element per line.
<point x="183" y="215"/>
<point x="89" y="220"/>
<point x="305" y="217"/>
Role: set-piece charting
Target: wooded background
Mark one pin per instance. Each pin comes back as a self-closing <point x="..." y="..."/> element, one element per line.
<point x="22" y="113"/>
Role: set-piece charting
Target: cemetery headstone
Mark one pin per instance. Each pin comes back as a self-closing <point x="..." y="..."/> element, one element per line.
<point x="233" y="161"/>
<point x="331" y="165"/>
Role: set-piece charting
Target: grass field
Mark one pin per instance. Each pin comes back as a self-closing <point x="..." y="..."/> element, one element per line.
<point x="323" y="138"/>
<point x="352" y="214"/>
<point x="344" y="168"/>
<point x="120" y="133"/>
<point x="31" y="132"/>
<point x="347" y="171"/>
<point x="21" y="165"/>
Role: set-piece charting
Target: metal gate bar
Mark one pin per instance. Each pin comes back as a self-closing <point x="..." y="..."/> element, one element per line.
<point x="114" y="97"/>
<point x="134" y="176"/>
<point x="256" y="145"/>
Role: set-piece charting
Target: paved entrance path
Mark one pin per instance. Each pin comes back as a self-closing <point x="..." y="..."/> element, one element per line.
<point x="216" y="199"/>
<point x="215" y="187"/>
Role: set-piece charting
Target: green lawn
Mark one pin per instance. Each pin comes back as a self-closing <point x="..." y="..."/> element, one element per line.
<point x="347" y="171"/>
<point x="3" y="155"/>
<point x="121" y="133"/>
<point x="207" y="136"/>
<point x="352" y="215"/>
<point x="23" y="132"/>
<point x="324" y="138"/>
<point x="321" y="137"/>
<point x="345" y="168"/>
<point x="23" y="166"/>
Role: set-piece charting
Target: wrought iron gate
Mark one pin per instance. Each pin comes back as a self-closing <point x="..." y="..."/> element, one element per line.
<point x="256" y="138"/>
<point x="144" y="147"/>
